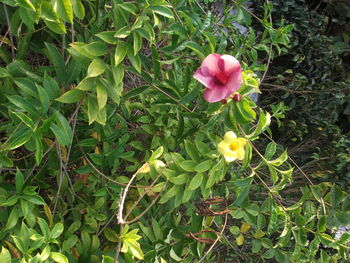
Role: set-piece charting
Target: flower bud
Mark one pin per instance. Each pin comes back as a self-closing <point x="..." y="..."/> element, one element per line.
<point x="237" y="97"/>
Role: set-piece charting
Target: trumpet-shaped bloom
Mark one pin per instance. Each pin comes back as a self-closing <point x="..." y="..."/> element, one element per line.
<point x="221" y="75"/>
<point x="232" y="148"/>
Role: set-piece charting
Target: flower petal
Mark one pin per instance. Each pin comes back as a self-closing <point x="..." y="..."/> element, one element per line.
<point x="224" y="149"/>
<point x="231" y="64"/>
<point x="215" y="94"/>
<point x="203" y="77"/>
<point x="240" y="153"/>
<point x="234" y="82"/>
<point x="210" y="63"/>
<point x="241" y="142"/>
<point x="230" y="137"/>
<point x="230" y="159"/>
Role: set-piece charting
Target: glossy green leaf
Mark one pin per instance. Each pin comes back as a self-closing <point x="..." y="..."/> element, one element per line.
<point x="5" y="256"/>
<point x="96" y="68"/>
<point x="101" y="95"/>
<point x="108" y="37"/>
<point x="58" y="257"/>
<point x="163" y="11"/>
<point x="71" y="96"/>
<point x="196" y="181"/>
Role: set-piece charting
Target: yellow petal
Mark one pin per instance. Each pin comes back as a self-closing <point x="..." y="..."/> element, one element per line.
<point x="230" y="159"/>
<point x="242" y="142"/>
<point x="230" y="137"/>
<point x="240" y="153"/>
<point x="224" y="149"/>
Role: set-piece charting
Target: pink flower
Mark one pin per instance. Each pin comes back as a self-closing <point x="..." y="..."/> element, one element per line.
<point x="221" y="74"/>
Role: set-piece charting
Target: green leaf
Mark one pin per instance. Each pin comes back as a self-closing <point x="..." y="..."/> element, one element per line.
<point x="35" y="199"/>
<point x="27" y="86"/>
<point x="23" y="104"/>
<point x="57" y="61"/>
<point x="58" y="257"/>
<point x="163" y="11"/>
<point x="108" y="37"/>
<point x="174" y="256"/>
<point x="337" y="195"/>
<point x="321" y="224"/>
<point x="196" y="48"/>
<point x="12" y="219"/>
<point x="170" y="193"/>
<point x="181" y="179"/>
<point x="157" y="230"/>
<point x="38" y="147"/>
<point x="256" y="246"/>
<point x="94" y="49"/>
<point x="270" y="150"/>
<point x="5" y="161"/>
<point x="111" y="235"/>
<point x="280" y="160"/>
<point x="20" y="137"/>
<point x="25" y="119"/>
<point x="44" y="99"/>
<point x="188" y="165"/>
<point x="135" y="249"/>
<point x="203" y="166"/>
<point x="57" y="230"/>
<point x="26" y="4"/>
<point x="62" y="130"/>
<point x="65" y="10"/>
<point x="269" y="253"/>
<point x="156" y="154"/>
<point x="101" y="95"/>
<point x="92" y="108"/>
<point x="123" y="32"/>
<point x="196" y="181"/>
<point x="4" y="73"/>
<point x="57" y="26"/>
<point x="78" y="9"/>
<point x="137" y="42"/>
<point x="135" y="60"/>
<point x="242" y="195"/>
<point x="19" y="181"/>
<point x="120" y="52"/>
<point x="101" y="116"/>
<point x="5" y="256"/>
<point x="96" y="68"/>
<point x="191" y="151"/>
<point x="263" y="123"/>
<point x="44" y="228"/>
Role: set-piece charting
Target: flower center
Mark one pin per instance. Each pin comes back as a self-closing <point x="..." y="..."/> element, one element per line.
<point x="234" y="146"/>
<point x="220" y="79"/>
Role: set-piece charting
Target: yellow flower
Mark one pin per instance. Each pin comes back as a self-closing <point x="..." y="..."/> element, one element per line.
<point x="231" y="147"/>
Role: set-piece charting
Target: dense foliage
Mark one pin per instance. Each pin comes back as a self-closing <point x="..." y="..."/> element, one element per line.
<point x="110" y="153"/>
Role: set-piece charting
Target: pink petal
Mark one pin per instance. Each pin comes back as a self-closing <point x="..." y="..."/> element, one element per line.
<point x="234" y="82"/>
<point x="231" y="64"/>
<point x="210" y="63"/>
<point x="215" y="94"/>
<point x="203" y="77"/>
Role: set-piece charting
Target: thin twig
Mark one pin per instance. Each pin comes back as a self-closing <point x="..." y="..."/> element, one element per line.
<point x="216" y="240"/>
<point x="105" y="176"/>
<point x="59" y="154"/>
<point x="125" y="192"/>
<point x="116" y="260"/>
<point x="270" y="53"/>
<point x="170" y="97"/>
<point x="9" y="28"/>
